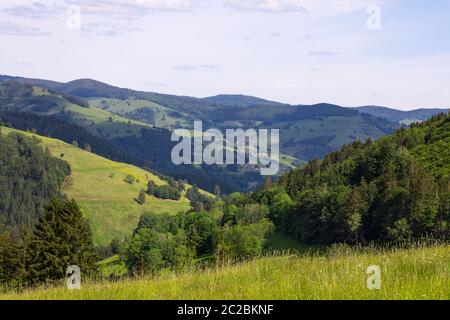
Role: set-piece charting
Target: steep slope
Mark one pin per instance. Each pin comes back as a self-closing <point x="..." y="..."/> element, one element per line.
<point x="396" y="189"/>
<point x="107" y="200"/>
<point x="137" y="142"/>
<point x="29" y="179"/>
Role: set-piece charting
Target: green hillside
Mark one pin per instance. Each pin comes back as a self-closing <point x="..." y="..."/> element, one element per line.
<point x="395" y="189"/>
<point x="106" y="199"/>
<point x="403" y="117"/>
<point x="144" y="111"/>
<point x="307" y="131"/>
<point x="410" y="274"/>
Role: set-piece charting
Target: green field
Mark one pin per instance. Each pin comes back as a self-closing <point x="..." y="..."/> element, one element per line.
<point x="96" y="120"/>
<point x="98" y="185"/>
<point x="421" y="273"/>
<point x="132" y="108"/>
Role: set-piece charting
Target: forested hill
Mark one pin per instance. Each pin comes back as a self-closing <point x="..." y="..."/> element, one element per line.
<point x="396" y="189"/>
<point x="403" y="117"/>
<point x="306" y="131"/>
<point x="29" y="178"/>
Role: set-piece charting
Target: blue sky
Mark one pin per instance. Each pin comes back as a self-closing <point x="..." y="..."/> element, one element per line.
<point x="296" y="51"/>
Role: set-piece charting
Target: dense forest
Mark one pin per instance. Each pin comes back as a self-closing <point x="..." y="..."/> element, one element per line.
<point x="232" y="228"/>
<point x="394" y="190"/>
<point x="29" y="178"/>
<point x="61" y="238"/>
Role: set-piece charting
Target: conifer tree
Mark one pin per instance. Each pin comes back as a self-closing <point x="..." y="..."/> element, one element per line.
<point x="61" y="238"/>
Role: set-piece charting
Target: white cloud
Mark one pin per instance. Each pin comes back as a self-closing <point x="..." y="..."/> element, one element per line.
<point x="189" y="67"/>
<point x="35" y="10"/>
<point x="107" y="29"/>
<point x="323" y="53"/>
<point x="131" y="9"/>
<point x="166" y="4"/>
<point x="125" y="9"/>
<point x="316" y="7"/>
<point x="265" y="5"/>
<point x="9" y="28"/>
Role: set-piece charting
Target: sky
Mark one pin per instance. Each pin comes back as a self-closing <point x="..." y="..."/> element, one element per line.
<point x="393" y="53"/>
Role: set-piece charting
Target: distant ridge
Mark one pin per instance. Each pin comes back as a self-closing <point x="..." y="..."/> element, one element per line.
<point x="239" y="100"/>
<point x="88" y="88"/>
<point x="399" y="116"/>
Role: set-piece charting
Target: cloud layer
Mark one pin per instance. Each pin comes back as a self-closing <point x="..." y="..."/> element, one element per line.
<point x="9" y="28"/>
<point x="266" y="5"/>
<point x="317" y="7"/>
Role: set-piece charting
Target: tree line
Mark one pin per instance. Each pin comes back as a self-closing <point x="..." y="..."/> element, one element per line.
<point x="234" y="227"/>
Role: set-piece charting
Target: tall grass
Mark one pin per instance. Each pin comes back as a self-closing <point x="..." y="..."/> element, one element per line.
<point x="420" y="273"/>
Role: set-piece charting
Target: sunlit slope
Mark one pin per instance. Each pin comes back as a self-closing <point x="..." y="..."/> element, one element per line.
<point x="106" y="199"/>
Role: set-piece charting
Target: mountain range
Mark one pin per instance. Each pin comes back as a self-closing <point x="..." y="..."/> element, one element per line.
<point x="138" y="124"/>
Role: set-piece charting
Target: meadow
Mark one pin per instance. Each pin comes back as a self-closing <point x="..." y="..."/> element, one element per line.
<point x="106" y="199"/>
<point x="162" y="117"/>
<point x="420" y="273"/>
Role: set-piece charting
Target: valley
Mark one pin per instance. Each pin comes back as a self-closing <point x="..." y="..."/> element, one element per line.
<point x="354" y="189"/>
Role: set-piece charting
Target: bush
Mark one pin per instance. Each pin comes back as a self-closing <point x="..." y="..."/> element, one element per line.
<point x="130" y="179"/>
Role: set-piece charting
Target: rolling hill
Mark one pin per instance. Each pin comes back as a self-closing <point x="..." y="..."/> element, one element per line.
<point x="29" y="107"/>
<point x="308" y="140"/>
<point x="399" y="116"/>
<point x="98" y="185"/>
<point x="132" y="120"/>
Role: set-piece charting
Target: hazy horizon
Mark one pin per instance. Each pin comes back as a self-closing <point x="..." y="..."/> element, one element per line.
<point x="219" y="94"/>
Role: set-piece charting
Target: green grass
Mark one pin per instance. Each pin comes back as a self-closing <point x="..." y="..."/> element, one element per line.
<point x="421" y="273"/>
<point x="98" y="185"/>
<point x="128" y="107"/>
<point x="113" y="266"/>
<point x="94" y="119"/>
<point x="278" y="241"/>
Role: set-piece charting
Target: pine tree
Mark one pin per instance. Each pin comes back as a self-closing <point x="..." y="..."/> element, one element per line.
<point x="61" y="238"/>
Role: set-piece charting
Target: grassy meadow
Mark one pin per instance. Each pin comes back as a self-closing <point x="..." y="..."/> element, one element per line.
<point x="98" y="185"/>
<point x="162" y="116"/>
<point x="421" y="273"/>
